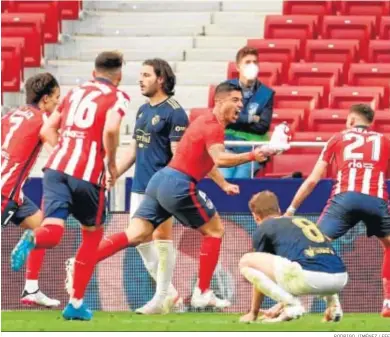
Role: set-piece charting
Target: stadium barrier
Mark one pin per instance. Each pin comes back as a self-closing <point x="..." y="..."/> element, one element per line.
<point x="121" y="283"/>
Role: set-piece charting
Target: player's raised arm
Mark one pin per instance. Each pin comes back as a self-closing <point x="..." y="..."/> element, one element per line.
<point x="311" y="182"/>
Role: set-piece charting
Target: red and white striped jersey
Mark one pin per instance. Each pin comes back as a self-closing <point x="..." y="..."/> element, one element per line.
<point x="362" y="161"/>
<point x="80" y="152"/>
<point x="20" y="146"/>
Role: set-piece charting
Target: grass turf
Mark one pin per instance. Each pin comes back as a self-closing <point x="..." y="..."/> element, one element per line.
<point x="126" y="321"/>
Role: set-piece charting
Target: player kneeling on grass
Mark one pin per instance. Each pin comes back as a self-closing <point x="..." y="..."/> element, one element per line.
<point x="292" y="258"/>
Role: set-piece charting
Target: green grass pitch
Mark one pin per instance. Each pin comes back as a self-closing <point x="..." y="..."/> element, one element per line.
<point x="127" y="321"/>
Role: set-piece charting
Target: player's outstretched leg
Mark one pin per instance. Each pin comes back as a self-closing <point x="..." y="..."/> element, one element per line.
<point x="32" y="295"/>
<point x="203" y="296"/>
<point x="85" y="262"/>
<point x="258" y="269"/>
<point x="386" y="276"/>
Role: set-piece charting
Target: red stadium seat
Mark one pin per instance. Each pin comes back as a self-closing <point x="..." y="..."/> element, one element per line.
<point x="285" y="51"/>
<point x="269" y="73"/>
<point x="350" y="27"/>
<point x="51" y="9"/>
<point x="372" y="75"/>
<point x="377" y="8"/>
<point x="384" y="29"/>
<point x="12" y="55"/>
<point x="327" y="75"/>
<point x="379" y="51"/>
<point x="345" y="52"/>
<point x="285" y="164"/>
<point x="196" y="112"/>
<point x="327" y="120"/>
<point x="294" y="97"/>
<point x="300" y="27"/>
<point x="28" y="26"/>
<point x="310" y="137"/>
<point x="292" y="116"/>
<point x="319" y="8"/>
<point x="344" y="97"/>
<point x="70" y="10"/>
<point x="382" y="121"/>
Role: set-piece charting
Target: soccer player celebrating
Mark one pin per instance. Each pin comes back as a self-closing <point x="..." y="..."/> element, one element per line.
<point x="160" y="124"/>
<point x="362" y="159"/>
<point x="292" y="258"/>
<point x="21" y="143"/>
<point x="173" y="191"/>
<point x="89" y="118"/>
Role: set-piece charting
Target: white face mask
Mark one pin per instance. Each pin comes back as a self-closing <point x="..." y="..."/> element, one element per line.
<point x="250" y="71"/>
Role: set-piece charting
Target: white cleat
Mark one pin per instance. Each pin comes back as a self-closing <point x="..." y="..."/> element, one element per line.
<point x="289" y="313"/>
<point x="207" y="299"/>
<point x="69" y="266"/>
<point x="153" y="308"/>
<point x="333" y="313"/>
<point x="38" y="298"/>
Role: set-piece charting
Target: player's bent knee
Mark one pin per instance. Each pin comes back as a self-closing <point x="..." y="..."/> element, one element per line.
<point x="244" y="261"/>
<point x="139" y="231"/>
<point x="214" y="227"/>
<point x="164" y="231"/>
<point x="33" y="221"/>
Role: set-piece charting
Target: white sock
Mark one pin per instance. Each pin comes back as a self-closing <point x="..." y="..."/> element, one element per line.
<point x="268" y="287"/>
<point x="332" y="300"/>
<point x="76" y="302"/>
<point x="149" y="254"/>
<point x="166" y="265"/>
<point x="31" y="286"/>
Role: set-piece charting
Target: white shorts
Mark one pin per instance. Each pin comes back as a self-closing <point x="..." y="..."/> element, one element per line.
<point x="297" y="281"/>
<point x="135" y="201"/>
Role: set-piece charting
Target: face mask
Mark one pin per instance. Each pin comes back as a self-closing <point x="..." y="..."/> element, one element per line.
<point x="250" y="71"/>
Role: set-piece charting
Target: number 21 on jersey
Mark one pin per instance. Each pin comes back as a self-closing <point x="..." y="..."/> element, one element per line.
<point x="354" y="150"/>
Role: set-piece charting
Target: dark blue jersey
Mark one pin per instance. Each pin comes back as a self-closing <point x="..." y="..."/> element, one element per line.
<point x="155" y="128"/>
<point x="299" y="240"/>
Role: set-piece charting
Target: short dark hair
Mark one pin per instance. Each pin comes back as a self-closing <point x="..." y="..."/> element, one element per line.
<point x="364" y="111"/>
<point x="109" y="61"/>
<point x="38" y="86"/>
<point x="244" y="51"/>
<point x="226" y="87"/>
<point x="163" y="69"/>
<point x="264" y="204"/>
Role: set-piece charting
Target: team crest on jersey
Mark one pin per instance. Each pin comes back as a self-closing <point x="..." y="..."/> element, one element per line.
<point x="252" y="108"/>
<point x="155" y="120"/>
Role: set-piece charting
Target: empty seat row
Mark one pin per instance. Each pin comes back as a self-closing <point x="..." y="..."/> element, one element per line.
<point x="342" y="51"/>
<point x="328" y="75"/>
<point x="319" y="120"/>
<point x="312" y="97"/>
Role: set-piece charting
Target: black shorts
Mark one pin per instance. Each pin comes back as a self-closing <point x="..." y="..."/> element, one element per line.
<point x="11" y="211"/>
<point x="171" y="192"/>
<point x="64" y="195"/>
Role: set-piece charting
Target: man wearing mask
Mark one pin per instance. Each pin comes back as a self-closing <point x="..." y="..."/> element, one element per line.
<point x="256" y="115"/>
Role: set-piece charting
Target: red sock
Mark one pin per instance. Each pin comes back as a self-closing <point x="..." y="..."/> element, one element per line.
<point x="386" y="273"/>
<point x="34" y="263"/>
<point x="111" y="245"/>
<point x="209" y="254"/>
<point x="85" y="261"/>
<point x="48" y="236"/>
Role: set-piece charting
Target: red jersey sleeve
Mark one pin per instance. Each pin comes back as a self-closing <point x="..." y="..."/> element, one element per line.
<point x="329" y="150"/>
<point x="121" y="104"/>
<point x="214" y="134"/>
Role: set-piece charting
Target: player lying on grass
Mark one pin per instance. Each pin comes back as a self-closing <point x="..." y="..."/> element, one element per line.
<point x="291" y="258"/>
<point x="21" y="143"/>
<point x="361" y="157"/>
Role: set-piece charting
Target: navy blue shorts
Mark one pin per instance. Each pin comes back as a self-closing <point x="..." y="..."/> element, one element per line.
<point x="11" y="211"/>
<point x="64" y="195"/>
<point x="345" y="210"/>
<point x="171" y="192"/>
